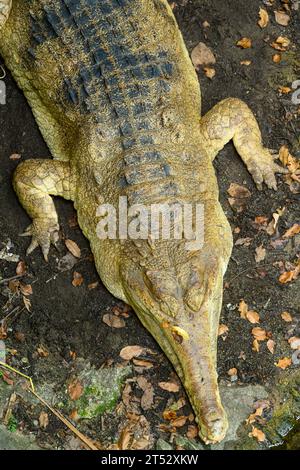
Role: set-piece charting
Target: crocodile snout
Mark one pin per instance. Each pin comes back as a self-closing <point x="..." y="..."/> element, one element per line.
<point x="213" y="426"/>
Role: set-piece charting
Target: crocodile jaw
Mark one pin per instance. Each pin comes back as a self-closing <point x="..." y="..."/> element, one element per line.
<point x="190" y="343"/>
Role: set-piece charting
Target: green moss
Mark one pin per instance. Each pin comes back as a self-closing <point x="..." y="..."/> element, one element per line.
<point x="285" y="397"/>
<point x="12" y="424"/>
<point x="102" y="389"/>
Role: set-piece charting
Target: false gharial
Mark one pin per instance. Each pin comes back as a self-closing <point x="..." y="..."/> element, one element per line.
<point x="117" y="100"/>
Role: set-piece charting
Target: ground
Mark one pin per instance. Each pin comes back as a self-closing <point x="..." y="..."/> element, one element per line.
<point x="63" y="342"/>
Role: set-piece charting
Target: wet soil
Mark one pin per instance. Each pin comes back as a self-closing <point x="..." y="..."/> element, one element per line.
<point x="65" y="319"/>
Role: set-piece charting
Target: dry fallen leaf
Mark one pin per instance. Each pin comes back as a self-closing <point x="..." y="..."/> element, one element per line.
<point x="272" y="226"/>
<point x="293" y="166"/>
<point x="75" y="389"/>
<point x="21" y="268"/>
<point x="284" y="363"/>
<point x="202" y="55"/>
<point x="246" y="62"/>
<point x="192" y="431"/>
<point x="244" y="43"/>
<point x="260" y="253"/>
<point x="179" y="422"/>
<point x="168" y="415"/>
<point x="290" y="276"/>
<point x="73" y="248"/>
<point x="282" y="18"/>
<point x="276" y="58"/>
<point x="77" y="279"/>
<point x="252" y="418"/>
<point x="43" y="419"/>
<point x="261" y="221"/>
<point x="291" y="232"/>
<point x="294" y="342"/>
<point x="286" y="277"/>
<point x="281" y="43"/>
<point x="209" y="72"/>
<point x="125" y="438"/>
<point x="27" y="303"/>
<point x="286" y="316"/>
<point x="243" y="309"/>
<point x="169" y="386"/>
<point x="42" y="351"/>
<point x="257" y="434"/>
<point x="3" y="332"/>
<point x="239" y="196"/>
<point x="142" y="363"/>
<point x="263" y="18"/>
<point x="252" y="317"/>
<point x="284" y="90"/>
<point x="243" y="241"/>
<point x="93" y="285"/>
<point x="15" y="156"/>
<point x="259" y="333"/>
<point x="26" y="289"/>
<point x="148" y="395"/>
<point x="113" y="321"/>
<point x="130" y="352"/>
<point x="232" y="372"/>
<point x="223" y="330"/>
<point x="271" y="345"/>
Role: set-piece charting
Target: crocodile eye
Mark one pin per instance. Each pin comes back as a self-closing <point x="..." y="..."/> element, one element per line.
<point x="163" y="284"/>
<point x="193" y="298"/>
<point x="165" y="288"/>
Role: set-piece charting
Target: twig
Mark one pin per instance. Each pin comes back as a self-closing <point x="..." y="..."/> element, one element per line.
<point x="60" y="416"/>
<point x="14" y="310"/>
<point x="11" y="403"/>
<point x="251" y="268"/>
<point x="6" y="366"/>
<point x="2" y="281"/>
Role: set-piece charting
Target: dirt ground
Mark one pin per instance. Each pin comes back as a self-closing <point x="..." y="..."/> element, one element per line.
<point x="66" y="321"/>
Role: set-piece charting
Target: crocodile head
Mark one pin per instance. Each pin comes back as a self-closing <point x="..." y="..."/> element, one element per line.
<point x="180" y="306"/>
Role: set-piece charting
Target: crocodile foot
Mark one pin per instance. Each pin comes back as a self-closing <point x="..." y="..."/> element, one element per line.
<point x="263" y="169"/>
<point x="5" y="7"/>
<point x="43" y="233"/>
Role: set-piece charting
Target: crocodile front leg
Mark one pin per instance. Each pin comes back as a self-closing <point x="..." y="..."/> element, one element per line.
<point x="34" y="182"/>
<point x="5" y="7"/>
<point x="232" y="119"/>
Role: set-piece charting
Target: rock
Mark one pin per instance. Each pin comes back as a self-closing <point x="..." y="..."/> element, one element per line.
<point x="15" y="441"/>
<point x="163" y="445"/>
<point x="238" y="402"/>
<point x="202" y="55"/>
<point x="101" y="390"/>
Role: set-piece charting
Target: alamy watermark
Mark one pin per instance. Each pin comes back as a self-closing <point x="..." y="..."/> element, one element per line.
<point x="2" y="92"/>
<point x="153" y="222"/>
<point x="296" y="94"/>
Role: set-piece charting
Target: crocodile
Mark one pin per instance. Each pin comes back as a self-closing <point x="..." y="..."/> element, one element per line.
<point x="117" y="100"/>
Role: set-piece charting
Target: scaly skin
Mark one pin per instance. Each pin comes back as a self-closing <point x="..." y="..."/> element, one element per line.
<point x="117" y="100"/>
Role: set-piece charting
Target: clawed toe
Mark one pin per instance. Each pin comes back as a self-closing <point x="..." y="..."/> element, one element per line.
<point x="263" y="170"/>
<point x="43" y="234"/>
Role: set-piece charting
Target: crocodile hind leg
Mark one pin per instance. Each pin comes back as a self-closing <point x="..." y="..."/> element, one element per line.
<point x="34" y="182"/>
<point x="232" y="119"/>
<point x="5" y="7"/>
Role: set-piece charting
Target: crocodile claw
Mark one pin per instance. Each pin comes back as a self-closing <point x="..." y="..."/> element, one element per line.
<point x="5" y="7"/>
<point x="43" y="233"/>
<point x="263" y="170"/>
